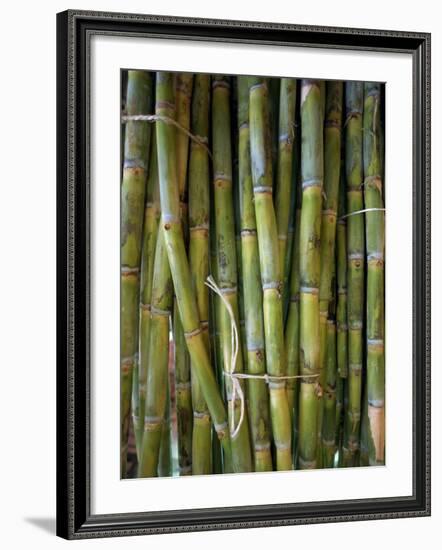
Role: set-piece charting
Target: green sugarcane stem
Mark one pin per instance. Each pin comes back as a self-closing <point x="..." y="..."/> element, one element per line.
<point x="165" y="457"/>
<point x="199" y="259"/>
<point x="226" y="253"/>
<point x="135" y="408"/>
<point x="217" y="304"/>
<point x="332" y="165"/>
<point x="355" y="255"/>
<point x="329" y="421"/>
<point x="136" y="160"/>
<point x="292" y="329"/>
<point x="252" y="292"/>
<point x="182" y="280"/>
<point x="270" y="266"/>
<point x="347" y="459"/>
<point x="237" y="221"/>
<point x="158" y="361"/>
<point x="274" y="87"/>
<point x="183" y="100"/>
<point x="150" y="230"/>
<point x="285" y="163"/>
<point x="312" y="170"/>
<point x="364" y="446"/>
<point x="217" y="459"/>
<point x="295" y="209"/>
<point x="328" y="443"/>
<point x="215" y="352"/>
<point x="289" y="255"/>
<point x="183" y="392"/>
<point x="375" y="239"/>
<point x="341" y="279"/>
<point x="339" y="411"/>
<point x="292" y="326"/>
<point x="183" y="96"/>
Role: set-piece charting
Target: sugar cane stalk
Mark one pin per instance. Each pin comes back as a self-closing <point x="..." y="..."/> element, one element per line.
<point x="199" y="208"/>
<point x="329" y="399"/>
<point x="150" y="230"/>
<point x="183" y="394"/>
<point x="341" y="281"/>
<point x="186" y="299"/>
<point x="183" y="95"/>
<point x="158" y="361"/>
<point x="136" y="158"/>
<point x="355" y="250"/>
<point x="254" y="324"/>
<point x="375" y="231"/>
<point x="312" y="169"/>
<point x="271" y="276"/>
<point x="293" y="318"/>
<point x="165" y="456"/>
<point x="332" y="165"/>
<point x="284" y="172"/>
<point x="226" y="253"/>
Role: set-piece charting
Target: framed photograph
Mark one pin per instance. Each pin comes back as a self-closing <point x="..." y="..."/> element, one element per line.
<point x="243" y="274"/>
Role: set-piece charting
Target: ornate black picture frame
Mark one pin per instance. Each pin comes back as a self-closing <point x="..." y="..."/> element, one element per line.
<point x="74" y="518"/>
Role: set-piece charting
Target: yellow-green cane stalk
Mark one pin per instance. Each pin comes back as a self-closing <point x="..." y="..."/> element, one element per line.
<point x="293" y="318"/>
<point x="285" y="164"/>
<point x="341" y="280"/>
<point x="158" y="361"/>
<point x="270" y="266"/>
<point x="183" y="393"/>
<point x="226" y="253"/>
<point x="252" y="292"/>
<point x="328" y="443"/>
<point x="183" y="100"/>
<point x="339" y="413"/>
<point x="150" y="230"/>
<point x="332" y="166"/>
<point x="136" y="159"/>
<point x="347" y="458"/>
<point x="165" y="458"/>
<point x="364" y="445"/>
<point x="274" y="87"/>
<point x="312" y="171"/>
<point x="181" y="275"/>
<point x="183" y="97"/>
<point x="199" y="258"/>
<point x="375" y="239"/>
<point x="215" y="351"/>
<point x="355" y="257"/>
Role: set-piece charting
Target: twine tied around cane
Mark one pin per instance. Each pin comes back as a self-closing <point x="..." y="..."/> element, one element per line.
<point x="168" y="120"/>
<point x="230" y="371"/>
<point x="235" y="377"/>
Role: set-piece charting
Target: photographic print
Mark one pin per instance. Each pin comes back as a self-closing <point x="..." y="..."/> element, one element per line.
<point x="252" y="274"/>
<point x="243" y="274"/>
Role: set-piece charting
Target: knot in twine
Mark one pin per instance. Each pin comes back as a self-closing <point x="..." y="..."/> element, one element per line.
<point x="229" y="371"/>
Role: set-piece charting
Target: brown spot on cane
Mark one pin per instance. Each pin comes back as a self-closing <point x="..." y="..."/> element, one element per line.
<point x="126" y="367"/>
<point x="167" y="226"/>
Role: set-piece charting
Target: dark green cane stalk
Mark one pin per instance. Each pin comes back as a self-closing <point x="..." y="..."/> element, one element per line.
<point x="136" y="160"/>
<point x="270" y="266"/>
